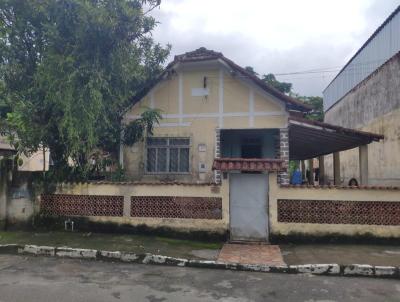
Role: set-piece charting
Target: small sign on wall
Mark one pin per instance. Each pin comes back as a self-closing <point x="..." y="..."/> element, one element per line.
<point x="200" y="91"/>
<point x="202" y="147"/>
<point x="202" y="167"/>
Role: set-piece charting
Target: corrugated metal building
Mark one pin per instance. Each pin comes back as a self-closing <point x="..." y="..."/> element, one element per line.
<point x="379" y="48"/>
<point x="365" y="95"/>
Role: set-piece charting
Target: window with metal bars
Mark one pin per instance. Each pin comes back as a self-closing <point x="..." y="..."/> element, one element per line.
<point x="167" y="155"/>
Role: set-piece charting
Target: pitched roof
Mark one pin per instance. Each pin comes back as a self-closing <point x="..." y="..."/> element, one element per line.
<point x="203" y="54"/>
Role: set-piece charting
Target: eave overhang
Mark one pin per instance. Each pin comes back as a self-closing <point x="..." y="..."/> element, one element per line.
<point x="310" y="139"/>
<point x="249" y="164"/>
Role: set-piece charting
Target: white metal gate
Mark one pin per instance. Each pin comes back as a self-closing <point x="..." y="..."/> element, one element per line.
<point x="248" y="207"/>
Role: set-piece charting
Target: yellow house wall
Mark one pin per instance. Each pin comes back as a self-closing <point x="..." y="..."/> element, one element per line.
<point x="185" y="225"/>
<point x="313" y="229"/>
<point x="230" y="104"/>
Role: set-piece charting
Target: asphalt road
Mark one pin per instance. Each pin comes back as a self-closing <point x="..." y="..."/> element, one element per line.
<point x="50" y="279"/>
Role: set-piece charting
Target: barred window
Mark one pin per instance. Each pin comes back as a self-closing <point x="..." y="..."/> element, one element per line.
<point x="167" y="155"/>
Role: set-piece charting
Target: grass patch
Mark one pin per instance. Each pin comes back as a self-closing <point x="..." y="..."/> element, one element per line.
<point x="191" y="243"/>
<point x="111" y="242"/>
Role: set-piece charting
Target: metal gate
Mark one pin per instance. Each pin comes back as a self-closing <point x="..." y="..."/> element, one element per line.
<point x="248" y="207"/>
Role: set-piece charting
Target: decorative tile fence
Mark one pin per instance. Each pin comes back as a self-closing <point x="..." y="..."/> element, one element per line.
<point x="176" y="207"/>
<point x="141" y="206"/>
<point x="82" y="205"/>
<point x="339" y="212"/>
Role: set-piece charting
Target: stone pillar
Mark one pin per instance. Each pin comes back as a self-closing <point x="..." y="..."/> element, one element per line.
<point x="321" y="164"/>
<point x="303" y="170"/>
<point x="3" y="193"/>
<point x="127" y="206"/>
<point x="336" y="168"/>
<point x="283" y="176"/>
<point x="311" y="169"/>
<point x="363" y="163"/>
<point x="121" y="150"/>
<point x="217" y="154"/>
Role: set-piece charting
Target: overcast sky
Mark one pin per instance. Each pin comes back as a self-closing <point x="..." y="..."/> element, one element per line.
<point x="280" y="36"/>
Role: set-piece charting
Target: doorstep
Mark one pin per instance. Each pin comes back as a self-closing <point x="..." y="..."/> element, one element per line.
<point x="251" y="254"/>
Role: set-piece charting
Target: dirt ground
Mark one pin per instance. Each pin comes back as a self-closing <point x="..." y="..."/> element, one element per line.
<point x="341" y="254"/>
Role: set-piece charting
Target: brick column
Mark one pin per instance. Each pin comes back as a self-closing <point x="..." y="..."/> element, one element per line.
<point x="363" y="163"/>
<point x="283" y="177"/>
<point x="217" y="154"/>
<point x="336" y="169"/>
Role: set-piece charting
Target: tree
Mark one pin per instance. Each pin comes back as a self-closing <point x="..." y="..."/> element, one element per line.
<point x="316" y="102"/>
<point x="281" y="86"/>
<point x="69" y="68"/>
<point x="251" y="70"/>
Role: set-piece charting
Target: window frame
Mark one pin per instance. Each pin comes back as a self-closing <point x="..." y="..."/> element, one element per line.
<point x="168" y="147"/>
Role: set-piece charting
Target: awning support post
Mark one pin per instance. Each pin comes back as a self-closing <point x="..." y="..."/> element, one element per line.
<point x="311" y="169"/>
<point x="336" y="168"/>
<point x="321" y="170"/>
<point x="363" y="163"/>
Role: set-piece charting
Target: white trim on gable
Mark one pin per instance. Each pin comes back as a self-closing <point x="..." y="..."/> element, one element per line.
<point x="214" y="115"/>
<point x="251" y="107"/>
<point x="166" y="125"/>
<point x="221" y="98"/>
<point x="152" y="106"/>
<point x="180" y="95"/>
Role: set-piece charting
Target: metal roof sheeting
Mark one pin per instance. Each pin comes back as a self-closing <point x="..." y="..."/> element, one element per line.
<point x="379" y="48"/>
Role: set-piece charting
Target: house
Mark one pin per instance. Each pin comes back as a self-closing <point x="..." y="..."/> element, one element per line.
<point x="227" y="134"/>
<point x="365" y="95"/>
<point x="31" y="163"/>
<point x="211" y="108"/>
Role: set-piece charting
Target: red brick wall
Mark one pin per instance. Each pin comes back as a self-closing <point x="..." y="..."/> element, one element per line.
<point x="339" y="212"/>
<point x="176" y="207"/>
<point x="81" y="205"/>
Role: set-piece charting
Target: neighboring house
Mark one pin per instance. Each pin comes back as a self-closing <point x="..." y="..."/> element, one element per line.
<point x="211" y="108"/>
<point x="365" y="95"/>
<point x="34" y="162"/>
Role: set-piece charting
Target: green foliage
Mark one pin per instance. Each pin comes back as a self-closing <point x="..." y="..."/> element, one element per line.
<point x="251" y="70"/>
<point x="68" y="69"/>
<point x="119" y="174"/>
<point x="316" y="102"/>
<point x="281" y="86"/>
<point x="136" y="130"/>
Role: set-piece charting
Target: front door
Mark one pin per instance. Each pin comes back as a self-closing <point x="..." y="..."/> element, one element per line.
<point x="248" y="207"/>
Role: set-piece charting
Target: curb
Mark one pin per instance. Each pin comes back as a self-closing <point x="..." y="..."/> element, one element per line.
<point x="353" y="270"/>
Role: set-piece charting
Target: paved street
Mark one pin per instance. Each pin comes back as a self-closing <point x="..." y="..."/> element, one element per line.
<point x="50" y="279"/>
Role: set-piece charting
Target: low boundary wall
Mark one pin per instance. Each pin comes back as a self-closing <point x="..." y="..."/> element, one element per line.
<point x="181" y="207"/>
<point x="340" y="211"/>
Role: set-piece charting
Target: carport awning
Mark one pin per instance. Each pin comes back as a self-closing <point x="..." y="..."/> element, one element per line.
<point x="309" y="139"/>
